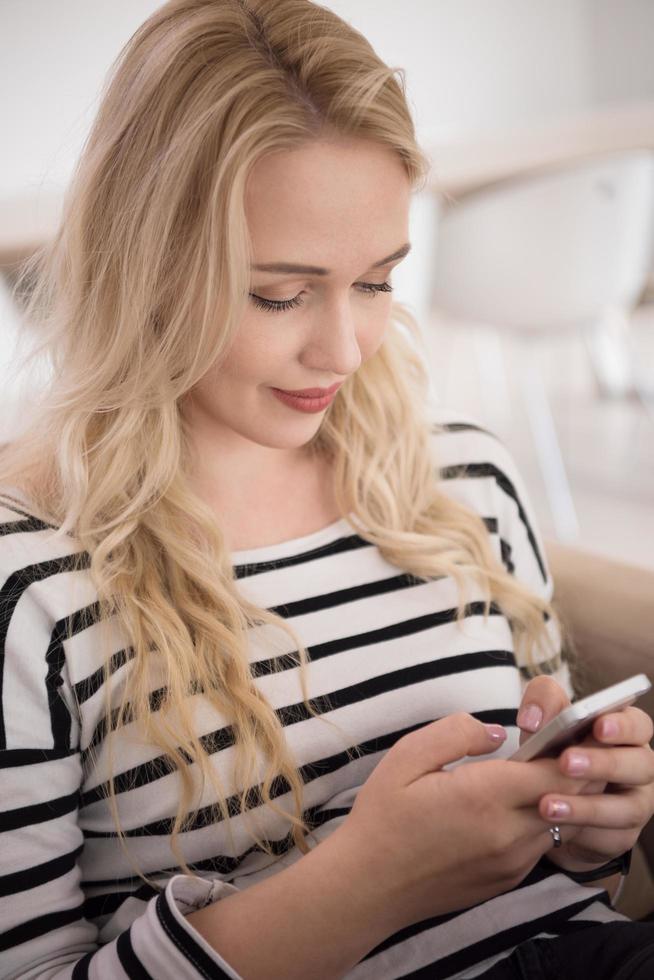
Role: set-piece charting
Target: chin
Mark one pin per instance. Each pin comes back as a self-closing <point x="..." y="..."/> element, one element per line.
<point x="292" y="435"/>
<point x="303" y="434"/>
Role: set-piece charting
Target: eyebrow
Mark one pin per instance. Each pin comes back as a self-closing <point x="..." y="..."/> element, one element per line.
<point x="316" y="270"/>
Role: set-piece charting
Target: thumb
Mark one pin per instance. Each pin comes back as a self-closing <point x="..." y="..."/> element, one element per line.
<point x="543" y="698"/>
<point x="433" y="746"/>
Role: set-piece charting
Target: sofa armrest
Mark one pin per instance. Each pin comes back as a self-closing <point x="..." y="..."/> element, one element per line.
<point x="608" y="609"/>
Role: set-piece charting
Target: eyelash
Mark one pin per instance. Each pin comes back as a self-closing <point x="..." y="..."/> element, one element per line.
<point x="279" y="305"/>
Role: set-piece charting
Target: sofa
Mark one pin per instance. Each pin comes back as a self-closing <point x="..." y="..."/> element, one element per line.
<point x="608" y="607"/>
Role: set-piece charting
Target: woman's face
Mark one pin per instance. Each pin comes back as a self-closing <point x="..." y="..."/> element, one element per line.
<point x="339" y="212"/>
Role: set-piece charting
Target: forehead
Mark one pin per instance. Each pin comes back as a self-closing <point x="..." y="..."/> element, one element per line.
<point x="329" y="202"/>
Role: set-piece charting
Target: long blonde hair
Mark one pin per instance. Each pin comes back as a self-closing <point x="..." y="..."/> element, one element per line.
<point x="141" y="289"/>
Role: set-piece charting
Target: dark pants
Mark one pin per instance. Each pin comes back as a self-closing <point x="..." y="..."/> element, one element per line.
<point x="606" y="951"/>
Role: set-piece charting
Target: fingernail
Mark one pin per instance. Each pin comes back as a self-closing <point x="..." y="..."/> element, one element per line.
<point x="557" y="808"/>
<point x="530" y="718"/>
<point x="496" y="733"/>
<point x="577" y="763"/>
<point x="609" y="728"/>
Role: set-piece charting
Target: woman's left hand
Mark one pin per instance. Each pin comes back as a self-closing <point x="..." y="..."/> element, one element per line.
<point x="615" y="766"/>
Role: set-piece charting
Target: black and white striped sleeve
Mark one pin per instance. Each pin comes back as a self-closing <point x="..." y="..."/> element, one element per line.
<point x="43" y="931"/>
<point x="483" y="474"/>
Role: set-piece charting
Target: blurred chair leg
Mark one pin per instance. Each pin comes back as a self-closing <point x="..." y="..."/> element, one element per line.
<point x="542" y="426"/>
<point x="643" y="383"/>
<point x="613" y="360"/>
<point x="607" y="344"/>
<point x="646" y="397"/>
<point x="451" y="362"/>
<point x="493" y="382"/>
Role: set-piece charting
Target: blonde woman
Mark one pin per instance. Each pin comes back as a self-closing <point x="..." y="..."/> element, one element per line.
<point x="271" y="626"/>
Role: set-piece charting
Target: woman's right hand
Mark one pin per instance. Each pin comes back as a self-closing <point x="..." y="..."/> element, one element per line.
<point x="439" y="841"/>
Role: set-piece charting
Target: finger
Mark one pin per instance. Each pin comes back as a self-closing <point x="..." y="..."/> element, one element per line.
<point x="631" y="726"/>
<point x="542" y="700"/>
<point x="627" y="810"/>
<point x="433" y="746"/>
<point x="535" y="829"/>
<point x="524" y="783"/>
<point x="540" y="832"/>
<point x="633" y="766"/>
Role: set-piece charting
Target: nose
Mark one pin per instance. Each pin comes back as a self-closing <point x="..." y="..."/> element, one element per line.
<point x="333" y="347"/>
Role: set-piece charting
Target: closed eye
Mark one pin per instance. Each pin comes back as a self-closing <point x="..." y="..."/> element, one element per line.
<point x="279" y="305"/>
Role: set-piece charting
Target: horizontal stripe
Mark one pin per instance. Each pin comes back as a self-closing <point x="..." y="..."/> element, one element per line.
<point x="350" y="543"/>
<point x="208" y="815"/>
<point x="502" y="940"/>
<point x="39" y="874"/>
<point x="33" y="929"/>
<point x="155" y="700"/>
<point x="316" y="652"/>
<point x="24" y="526"/>
<point x="289" y="661"/>
<point x="101" y="905"/>
<point x="223" y="738"/>
<point x="406" y="627"/>
<point x="89" y="686"/>
<point x="12" y="503"/>
<point x="14" y="758"/>
<point x="24" y="816"/>
<point x="331" y="600"/>
<point x="538" y="873"/>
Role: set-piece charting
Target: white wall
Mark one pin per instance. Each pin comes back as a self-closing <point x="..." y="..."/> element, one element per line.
<point x="470" y="65"/>
<point x="480" y="64"/>
<point x="54" y="55"/>
<point x="621" y="36"/>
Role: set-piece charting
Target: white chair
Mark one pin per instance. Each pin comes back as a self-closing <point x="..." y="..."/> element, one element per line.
<point x="550" y="252"/>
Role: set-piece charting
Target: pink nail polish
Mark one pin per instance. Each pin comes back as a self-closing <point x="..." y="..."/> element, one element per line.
<point x="557" y="808"/>
<point x="577" y="763"/>
<point x="609" y="728"/>
<point x="530" y="718"/>
<point x="496" y="733"/>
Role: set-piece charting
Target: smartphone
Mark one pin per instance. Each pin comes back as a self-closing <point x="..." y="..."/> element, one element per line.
<point x="575" y="722"/>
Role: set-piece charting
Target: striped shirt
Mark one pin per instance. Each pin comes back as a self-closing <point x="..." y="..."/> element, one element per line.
<point x="384" y="648"/>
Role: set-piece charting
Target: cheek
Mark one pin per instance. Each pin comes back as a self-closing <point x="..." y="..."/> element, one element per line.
<point x="257" y="348"/>
<point x="371" y="334"/>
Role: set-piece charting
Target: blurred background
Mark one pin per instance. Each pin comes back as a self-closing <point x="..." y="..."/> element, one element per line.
<point x="532" y="271"/>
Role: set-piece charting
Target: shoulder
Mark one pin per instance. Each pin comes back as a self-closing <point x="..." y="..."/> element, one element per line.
<point x="477" y="468"/>
<point x="23" y="533"/>
<point x="462" y="441"/>
<point x="34" y="555"/>
<point x="473" y="460"/>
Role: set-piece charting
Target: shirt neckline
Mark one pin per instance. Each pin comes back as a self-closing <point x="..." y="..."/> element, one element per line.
<point x="293" y="545"/>
<point x="248" y="555"/>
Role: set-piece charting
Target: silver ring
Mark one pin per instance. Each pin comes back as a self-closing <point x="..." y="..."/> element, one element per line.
<point x="556" y="835"/>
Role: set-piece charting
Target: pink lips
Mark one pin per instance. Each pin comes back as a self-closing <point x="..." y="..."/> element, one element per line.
<point x="308" y="400"/>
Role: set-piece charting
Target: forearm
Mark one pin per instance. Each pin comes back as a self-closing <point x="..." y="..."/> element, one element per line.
<point x="317" y="918"/>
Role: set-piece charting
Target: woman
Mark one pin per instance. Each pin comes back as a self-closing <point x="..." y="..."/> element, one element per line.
<point x="250" y="635"/>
